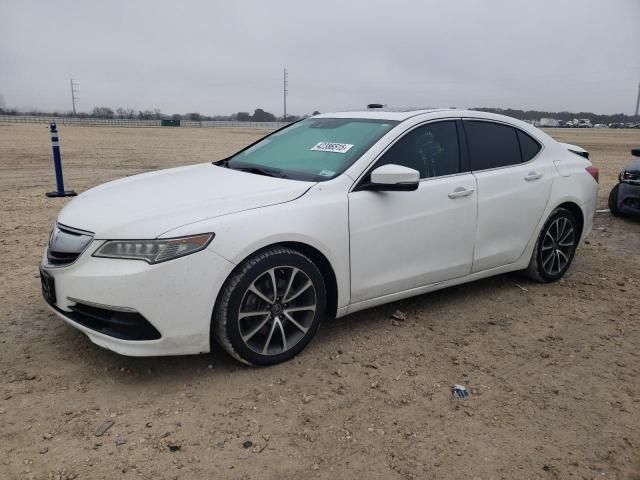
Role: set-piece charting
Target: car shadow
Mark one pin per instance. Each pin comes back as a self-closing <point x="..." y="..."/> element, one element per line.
<point x="433" y="301"/>
<point x="185" y="369"/>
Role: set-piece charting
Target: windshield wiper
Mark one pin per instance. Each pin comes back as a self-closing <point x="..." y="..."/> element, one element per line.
<point x="261" y="171"/>
<point x="267" y="172"/>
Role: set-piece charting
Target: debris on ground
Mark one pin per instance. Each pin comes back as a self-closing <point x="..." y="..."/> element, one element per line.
<point x="371" y="365"/>
<point x="174" y="447"/>
<point x="104" y="427"/>
<point x="520" y="287"/>
<point x="459" y="391"/>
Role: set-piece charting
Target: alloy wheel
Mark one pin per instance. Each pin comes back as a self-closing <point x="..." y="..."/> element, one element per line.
<point x="277" y="310"/>
<point x="557" y="247"/>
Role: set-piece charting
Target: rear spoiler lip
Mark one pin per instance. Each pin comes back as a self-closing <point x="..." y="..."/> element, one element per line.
<point x="576" y="149"/>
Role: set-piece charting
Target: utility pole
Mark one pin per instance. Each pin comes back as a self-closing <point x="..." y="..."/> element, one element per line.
<point x="638" y="101"/>
<point x="284" y="93"/>
<point x="74" y="95"/>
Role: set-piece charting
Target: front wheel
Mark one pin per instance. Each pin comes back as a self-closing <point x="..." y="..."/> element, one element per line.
<point x="556" y="247"/>
<point x="613" y="201"/>
<point x="270" y="307"/>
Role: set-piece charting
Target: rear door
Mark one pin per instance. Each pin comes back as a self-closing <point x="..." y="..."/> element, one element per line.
<point x="404" y="240"/>
<point x="514" y="183"/>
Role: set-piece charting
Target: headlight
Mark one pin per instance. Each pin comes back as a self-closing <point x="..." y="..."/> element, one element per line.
<point x="154" y="251"/>
<point x="627" y="176"/>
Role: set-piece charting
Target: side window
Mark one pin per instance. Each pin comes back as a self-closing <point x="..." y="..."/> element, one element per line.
<point x="431" y="149"/>
<point x="491" y="145"/>
<point x="529" y="148"/>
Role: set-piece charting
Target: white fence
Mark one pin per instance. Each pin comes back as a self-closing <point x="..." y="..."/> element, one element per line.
<point x="126" y="122"/>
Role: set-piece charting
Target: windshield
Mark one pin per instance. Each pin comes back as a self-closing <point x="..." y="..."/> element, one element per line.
<point x="315" y="149"/>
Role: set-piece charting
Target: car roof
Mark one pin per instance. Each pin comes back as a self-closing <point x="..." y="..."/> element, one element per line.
<point x="383" y="113"/>
<point x="400" y="115"/>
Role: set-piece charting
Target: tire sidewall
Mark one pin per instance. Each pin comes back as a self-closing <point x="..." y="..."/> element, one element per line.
<point x="558" y="213"/>
<point x="613" y="201"/>
<point x="235" y="298"/>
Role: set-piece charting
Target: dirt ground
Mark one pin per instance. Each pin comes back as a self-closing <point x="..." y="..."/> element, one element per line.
<point x="553" y="370"/>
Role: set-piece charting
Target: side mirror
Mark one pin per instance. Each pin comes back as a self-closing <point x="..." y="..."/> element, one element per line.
<point x="393" y="178"/>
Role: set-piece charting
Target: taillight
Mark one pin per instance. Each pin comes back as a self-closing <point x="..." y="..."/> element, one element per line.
<point x="594" y="172"/>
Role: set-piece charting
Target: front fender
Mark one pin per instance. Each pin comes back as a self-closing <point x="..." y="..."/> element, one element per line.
<point x="317" y="220"/>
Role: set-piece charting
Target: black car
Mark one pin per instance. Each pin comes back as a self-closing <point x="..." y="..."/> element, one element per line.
<point x="624" y="199"/>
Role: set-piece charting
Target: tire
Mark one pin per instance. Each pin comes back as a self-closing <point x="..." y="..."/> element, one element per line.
<point x="560" y="233"/>
<point x="613" y="202"/>
<point x="257" y="327"/>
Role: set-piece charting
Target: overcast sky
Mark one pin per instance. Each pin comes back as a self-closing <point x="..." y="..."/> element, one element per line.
<point x="221" y="57"/>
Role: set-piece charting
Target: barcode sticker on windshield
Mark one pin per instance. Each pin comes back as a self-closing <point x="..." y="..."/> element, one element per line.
<point x="332" y="147"/>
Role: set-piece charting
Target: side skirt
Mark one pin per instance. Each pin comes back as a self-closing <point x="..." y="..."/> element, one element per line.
<point x="373" y="302"/>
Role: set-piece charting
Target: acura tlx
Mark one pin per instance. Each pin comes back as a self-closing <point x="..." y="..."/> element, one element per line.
<point x="326" y="216"/>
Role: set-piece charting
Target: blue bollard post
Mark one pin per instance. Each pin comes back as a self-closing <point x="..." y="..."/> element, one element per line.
<point x="57" y="163"/>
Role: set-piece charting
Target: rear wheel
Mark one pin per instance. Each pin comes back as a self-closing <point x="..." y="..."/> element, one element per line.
<point x="270" y="308"/>
<point x="556" y="247"/>
<point x="613" y="201"/>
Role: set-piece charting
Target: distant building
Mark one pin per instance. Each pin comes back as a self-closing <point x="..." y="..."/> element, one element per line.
<point x="550" y="122"/>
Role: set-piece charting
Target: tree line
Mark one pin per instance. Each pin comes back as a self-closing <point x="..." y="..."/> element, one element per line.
<point x="564" y="116"/>
<point x="259" y="115"/>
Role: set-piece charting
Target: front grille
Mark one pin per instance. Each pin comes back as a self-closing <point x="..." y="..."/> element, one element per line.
<point x="128" y="325"/>
<point x="66" y="244"/>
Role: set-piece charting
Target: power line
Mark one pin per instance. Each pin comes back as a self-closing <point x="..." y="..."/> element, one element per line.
<point x="285" y="91"/>
<point x="74" y="95"/>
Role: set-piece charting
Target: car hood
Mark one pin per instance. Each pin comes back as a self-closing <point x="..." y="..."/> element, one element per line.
<point x="147" y="205"/>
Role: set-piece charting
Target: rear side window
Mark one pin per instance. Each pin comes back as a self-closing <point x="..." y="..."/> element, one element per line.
<point x="492" y="145"/>
<point x="529" y="148"/>
<point x="431" y="149"/>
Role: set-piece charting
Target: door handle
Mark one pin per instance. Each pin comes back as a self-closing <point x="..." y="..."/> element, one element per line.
<point x="533" y="176"/>
<point x="461" y="192"/>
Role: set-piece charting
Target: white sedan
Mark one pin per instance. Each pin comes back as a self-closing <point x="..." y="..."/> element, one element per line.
<point x="327" y="216"/>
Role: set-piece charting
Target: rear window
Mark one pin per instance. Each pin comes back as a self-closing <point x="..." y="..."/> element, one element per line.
<point x="529" y="148"/>
<point x="491" y="145"/>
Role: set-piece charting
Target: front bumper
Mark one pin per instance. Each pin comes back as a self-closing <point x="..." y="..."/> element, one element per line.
<point x="629" y="198"/>
<point x="176" y="298"/>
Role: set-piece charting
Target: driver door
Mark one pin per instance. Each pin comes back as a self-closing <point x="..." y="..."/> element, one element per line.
<point x="401" y="240"/>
